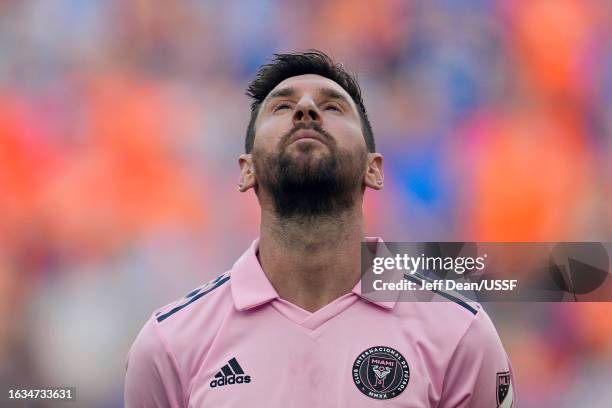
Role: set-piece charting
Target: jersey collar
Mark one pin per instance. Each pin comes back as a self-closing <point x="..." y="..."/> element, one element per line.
<point x="251" y="287"/>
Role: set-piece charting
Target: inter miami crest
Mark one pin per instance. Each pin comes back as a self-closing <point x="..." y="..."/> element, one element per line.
<point x="504" y="387"/>
<point x="381" y="372"/>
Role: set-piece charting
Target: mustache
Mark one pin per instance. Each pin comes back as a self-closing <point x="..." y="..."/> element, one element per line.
<point x="327" y="138"/>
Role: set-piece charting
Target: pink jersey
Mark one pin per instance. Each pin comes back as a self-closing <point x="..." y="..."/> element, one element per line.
<point x="234" y="343"/>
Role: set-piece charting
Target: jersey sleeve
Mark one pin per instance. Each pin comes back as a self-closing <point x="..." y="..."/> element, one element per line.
<point x="479" y="374"/>
<point x="152" y="377"/>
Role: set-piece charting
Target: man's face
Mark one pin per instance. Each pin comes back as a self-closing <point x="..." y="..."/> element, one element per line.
<point x="309" y="152"/>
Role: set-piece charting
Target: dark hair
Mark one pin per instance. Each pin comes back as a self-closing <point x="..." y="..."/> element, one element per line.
<point x="285" y="66"/>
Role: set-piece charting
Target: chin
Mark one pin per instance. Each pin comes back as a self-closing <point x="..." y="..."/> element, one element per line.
<point x="309" y="159"/>
<point x="309" y="149"/>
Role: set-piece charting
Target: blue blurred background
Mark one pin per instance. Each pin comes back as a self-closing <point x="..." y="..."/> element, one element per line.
<point x="121" y="122"/>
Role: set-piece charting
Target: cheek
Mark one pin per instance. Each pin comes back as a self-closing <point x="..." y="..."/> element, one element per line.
<point x="348" y="134"/>
<point x="269" y="133"/>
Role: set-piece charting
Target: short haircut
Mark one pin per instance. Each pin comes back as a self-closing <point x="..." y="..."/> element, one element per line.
<point x="285" y="66"/>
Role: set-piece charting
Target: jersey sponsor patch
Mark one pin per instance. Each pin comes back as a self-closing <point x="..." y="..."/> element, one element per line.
<point x="504" y="390"/>
<point x="381" y="372"/>
<point x="231" y="373"/>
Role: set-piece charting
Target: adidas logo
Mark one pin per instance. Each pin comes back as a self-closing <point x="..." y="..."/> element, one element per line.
<point x="231" y="373"/>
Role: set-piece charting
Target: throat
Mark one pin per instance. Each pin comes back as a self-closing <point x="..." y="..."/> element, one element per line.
<point x="311" y="263"/>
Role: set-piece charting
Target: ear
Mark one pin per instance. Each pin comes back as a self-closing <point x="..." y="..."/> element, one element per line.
<point x="374" y="176"/>
<point x="247" y="173"/>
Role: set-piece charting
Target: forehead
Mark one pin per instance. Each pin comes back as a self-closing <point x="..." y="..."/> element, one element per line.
<point x="311" y="83"/>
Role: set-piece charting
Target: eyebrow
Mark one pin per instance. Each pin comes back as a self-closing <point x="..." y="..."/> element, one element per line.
<point x="282" y="93"/>
<point x="333" y="94"/>
<point x="290" y="91"/>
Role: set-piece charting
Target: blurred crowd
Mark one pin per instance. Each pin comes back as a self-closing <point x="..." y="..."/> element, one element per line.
<point x="121" y="122"/>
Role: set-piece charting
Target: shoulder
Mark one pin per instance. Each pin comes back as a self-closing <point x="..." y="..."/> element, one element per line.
<point x="152" y="376"/>
<point x="449" y="303"/>
<point x="200" y="304"/>
<point x="197" y="315"/>
<point x="194" y="300"/>
<point x="183" y="330"/>
<point x="458" y="330"/>
<point x="442" y="314"/>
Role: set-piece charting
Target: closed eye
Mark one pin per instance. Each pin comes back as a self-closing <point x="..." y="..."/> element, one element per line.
<point x="333" y="107"/>
<point x="280" y="106"/>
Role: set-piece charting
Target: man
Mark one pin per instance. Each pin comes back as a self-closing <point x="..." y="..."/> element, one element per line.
<point x="288" y="326"/>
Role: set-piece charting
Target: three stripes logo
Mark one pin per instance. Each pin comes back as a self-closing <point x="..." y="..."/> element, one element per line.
<point x="231" y="373"/>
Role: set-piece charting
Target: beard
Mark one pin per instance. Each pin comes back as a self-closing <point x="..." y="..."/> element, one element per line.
<point x="305" y="186"/>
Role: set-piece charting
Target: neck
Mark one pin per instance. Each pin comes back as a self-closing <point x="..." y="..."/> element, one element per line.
<point x="311" y="262"/>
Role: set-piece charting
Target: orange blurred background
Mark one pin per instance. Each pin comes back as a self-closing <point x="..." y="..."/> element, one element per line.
<point x="121" y="123"/>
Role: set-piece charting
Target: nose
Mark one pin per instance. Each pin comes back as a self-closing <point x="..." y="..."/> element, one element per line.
<point x="306" y="111"/>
